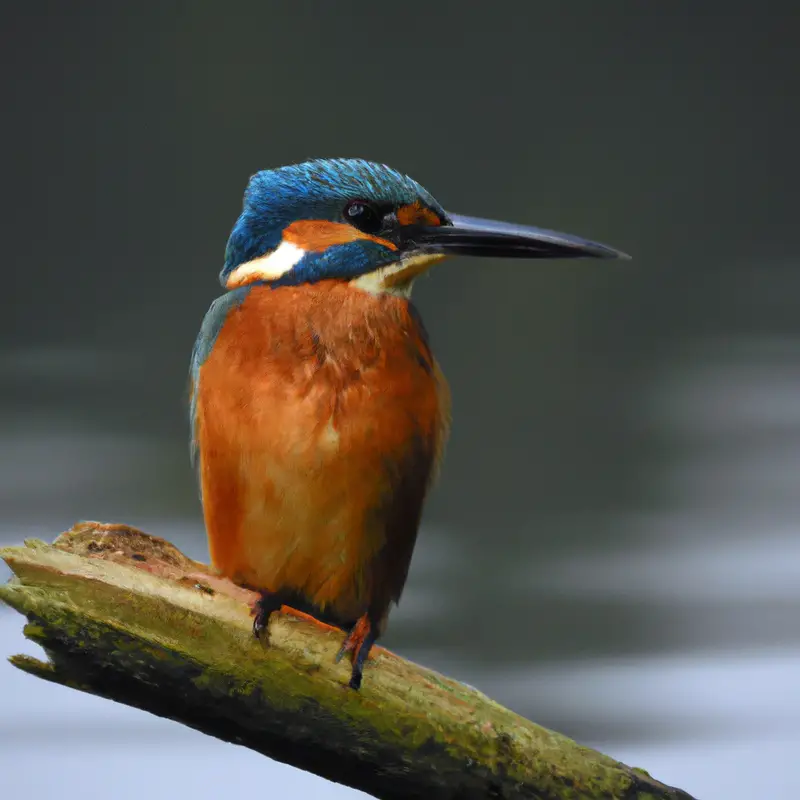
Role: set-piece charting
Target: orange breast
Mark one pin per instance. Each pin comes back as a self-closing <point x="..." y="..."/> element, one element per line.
<point x="321" y="414"/>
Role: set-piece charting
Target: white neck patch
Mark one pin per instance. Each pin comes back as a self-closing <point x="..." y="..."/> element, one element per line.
<point x="397" y="278"/>
<point x="268" y="267"/>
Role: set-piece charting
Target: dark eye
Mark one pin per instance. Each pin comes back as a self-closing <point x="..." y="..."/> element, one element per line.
<point x="362" y="215"/>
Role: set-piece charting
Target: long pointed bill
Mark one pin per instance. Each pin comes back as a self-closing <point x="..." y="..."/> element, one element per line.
<point x="471" y="236"/>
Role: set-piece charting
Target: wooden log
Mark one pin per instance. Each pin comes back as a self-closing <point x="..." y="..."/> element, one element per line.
<point x="127" y="616"/>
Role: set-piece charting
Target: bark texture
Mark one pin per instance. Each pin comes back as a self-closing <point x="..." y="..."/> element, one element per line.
<point x="127" y="616"/>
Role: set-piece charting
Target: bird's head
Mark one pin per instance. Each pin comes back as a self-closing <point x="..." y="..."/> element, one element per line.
<point x="362" y="222"/>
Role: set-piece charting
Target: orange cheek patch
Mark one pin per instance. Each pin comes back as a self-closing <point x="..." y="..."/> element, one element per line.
<point x="319" y="234"/>
<point x="417" y="214"/>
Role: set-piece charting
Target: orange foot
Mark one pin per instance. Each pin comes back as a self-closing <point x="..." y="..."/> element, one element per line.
<point x="358" y="642"/>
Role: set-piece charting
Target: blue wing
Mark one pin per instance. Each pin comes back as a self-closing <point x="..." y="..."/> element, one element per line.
<point x="212" y="324"/>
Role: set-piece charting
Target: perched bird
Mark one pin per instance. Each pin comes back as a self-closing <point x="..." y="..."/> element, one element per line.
<point x="318" y="412"/>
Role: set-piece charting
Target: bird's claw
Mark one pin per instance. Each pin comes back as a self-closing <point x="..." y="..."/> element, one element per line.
<point x="262" y="611"/>
<point x="358" y="642"/>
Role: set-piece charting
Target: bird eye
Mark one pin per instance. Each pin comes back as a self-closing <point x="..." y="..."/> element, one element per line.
<point x="362" y="215"/>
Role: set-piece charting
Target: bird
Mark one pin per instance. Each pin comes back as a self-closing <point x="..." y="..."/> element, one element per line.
<point x="318" y="412"/>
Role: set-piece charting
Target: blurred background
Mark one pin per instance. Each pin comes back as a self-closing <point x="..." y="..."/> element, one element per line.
<point x="612" y="547"/>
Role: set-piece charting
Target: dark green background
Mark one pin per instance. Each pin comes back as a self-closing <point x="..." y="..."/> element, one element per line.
<point x="601" y="409"/>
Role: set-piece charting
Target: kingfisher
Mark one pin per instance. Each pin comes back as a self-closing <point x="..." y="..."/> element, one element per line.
<point x="319" y="414"/>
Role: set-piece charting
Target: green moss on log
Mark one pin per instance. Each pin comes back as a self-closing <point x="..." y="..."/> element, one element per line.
<point x="129" y="617"/>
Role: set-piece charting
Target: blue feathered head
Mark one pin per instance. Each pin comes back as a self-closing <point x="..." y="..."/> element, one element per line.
<point x="329" y="218"/>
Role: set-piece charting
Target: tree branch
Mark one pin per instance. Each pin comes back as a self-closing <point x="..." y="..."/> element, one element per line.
<point x="127" y="616"/>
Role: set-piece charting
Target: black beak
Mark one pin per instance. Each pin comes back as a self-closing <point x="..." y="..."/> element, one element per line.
<point x="471" y="236"/>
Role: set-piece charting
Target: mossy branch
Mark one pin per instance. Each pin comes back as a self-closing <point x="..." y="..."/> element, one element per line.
<point x="127" y="616"/>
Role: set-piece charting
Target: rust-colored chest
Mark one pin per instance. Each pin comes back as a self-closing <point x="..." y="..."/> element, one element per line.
<point x="321" y="414"/>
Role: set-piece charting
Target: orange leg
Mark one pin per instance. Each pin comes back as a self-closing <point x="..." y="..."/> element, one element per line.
<point x="309" y="618"/>
<point x="358" y="642"/>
